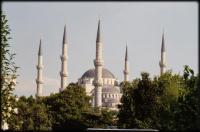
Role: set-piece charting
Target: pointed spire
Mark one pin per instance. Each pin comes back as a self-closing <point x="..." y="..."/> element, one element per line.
<point x="163" y="43"/>
<point x="99" y="33"/>
<point x="126" y="54"/>
<point x="64" y="36"/>
<point x="40" y="48"/>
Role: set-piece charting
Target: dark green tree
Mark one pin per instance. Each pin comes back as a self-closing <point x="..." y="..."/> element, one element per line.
<point x="139" y="104"/>
<point x="41" y="120"/>
<point x="188" y="111"/>
<point x="168" y="87"/>
<point x="126" y="109"/>
<point x="31" y="115"/>
<point x="169" y="102"/>
<point x="99" y="119"/>
<point x="67" y="106"/>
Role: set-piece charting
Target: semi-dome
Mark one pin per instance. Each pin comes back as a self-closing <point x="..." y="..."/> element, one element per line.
<point x="91" y="74"/>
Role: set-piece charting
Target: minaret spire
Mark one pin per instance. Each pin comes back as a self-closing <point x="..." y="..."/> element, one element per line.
<point x="64" y="57"/>
<point x="39" y="79"/>
<point x="99" y="39"/>
<point x="64" y="36"/>
<point x="162" y="62"/>
<point x="98" y="63"/>
<point x="126" y="54"/>
<point x="163" y="43"/>
<point x="40" y="48"/>
<point x="126" y="66"/>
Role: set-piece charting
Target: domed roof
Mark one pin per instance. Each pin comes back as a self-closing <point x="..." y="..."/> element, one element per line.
<point x="91" y="74"/>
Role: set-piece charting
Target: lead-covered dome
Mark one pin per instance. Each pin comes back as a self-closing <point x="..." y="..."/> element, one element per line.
<point x="91" y="74"/>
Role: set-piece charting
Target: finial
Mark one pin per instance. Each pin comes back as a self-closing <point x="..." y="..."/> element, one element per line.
<point x="40" y="47"/>
<point x="126" y="54"/>
<point x="64" y="35"/>
<point x="163" y="42"/>
<point x="99" y="32"/>
<point x="99" y="16"/>
<point x="163" y="30"/>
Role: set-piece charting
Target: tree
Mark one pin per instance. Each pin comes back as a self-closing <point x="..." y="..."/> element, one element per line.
<point x="169" y="102"/>
<point x="8" y="73"/>
<point x="188" y="108"/>
<point x="31" y="115"/>
<point x="23" y="118"/>
<point x="41" y="120"/>
<point x="99" y="119"/>
<point x="67" y="105"/>
<point x="139" y="104"/>
<point x="126" y="109"/>
<point x="169" y="86"/>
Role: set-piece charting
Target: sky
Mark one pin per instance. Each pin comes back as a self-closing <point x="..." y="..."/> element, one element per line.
<point x="139" y="24"/>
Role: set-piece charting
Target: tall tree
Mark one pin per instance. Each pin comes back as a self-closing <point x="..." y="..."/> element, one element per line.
<point x="8" y="73"/>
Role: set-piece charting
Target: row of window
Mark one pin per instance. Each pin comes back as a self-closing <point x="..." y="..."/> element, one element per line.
<point x="105" y="81"/>
<point x="111" y="95"/>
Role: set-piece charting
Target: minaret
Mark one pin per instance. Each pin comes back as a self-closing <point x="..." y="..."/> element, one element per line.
<point x="162" y="62"/>
<point x="64" y="57"/>
<point x="98" y="63"/>
<point x="39" y="79"/>
<point x="126" y="66"/>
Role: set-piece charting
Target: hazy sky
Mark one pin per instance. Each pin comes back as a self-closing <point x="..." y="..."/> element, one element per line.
<point x="140" y="24"/>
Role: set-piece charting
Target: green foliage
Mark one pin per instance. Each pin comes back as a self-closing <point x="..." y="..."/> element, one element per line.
<point x="67" y="110"/>
<point x="103" y="119"/>
<point x="127" y="107"/>
<point x="139" y="104"/>
<point x="8" y="72"/>
<point x="188" y="107"/>
<point x="67" y="105"/>
<point x="31" y="115"/>
<point x="169" y="87"/>
<point x="168" y="102"/>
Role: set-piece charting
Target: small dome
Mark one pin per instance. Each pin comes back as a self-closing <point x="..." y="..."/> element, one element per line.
<point x="91" y="74"/>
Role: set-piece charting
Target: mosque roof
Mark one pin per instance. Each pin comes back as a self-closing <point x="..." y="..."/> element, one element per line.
<point x="91" y="74"/>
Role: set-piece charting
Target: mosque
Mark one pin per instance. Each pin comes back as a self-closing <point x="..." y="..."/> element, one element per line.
<point x="98" y="82"/>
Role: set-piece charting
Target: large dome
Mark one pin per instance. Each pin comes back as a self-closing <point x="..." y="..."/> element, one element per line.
<point x="91" y="74"/>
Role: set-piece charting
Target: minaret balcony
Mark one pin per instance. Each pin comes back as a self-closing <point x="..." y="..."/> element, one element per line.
<point x="162" y="64"/>
<point x="63" y="57"/>
<point x="39" y="66"/>
<point x="126" y="72"/>
<point x="39" y="81"/>
<point x="98" y="62"/>
<point x="63" y="74"/>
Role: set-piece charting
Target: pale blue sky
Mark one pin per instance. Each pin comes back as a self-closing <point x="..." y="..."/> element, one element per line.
<point x="140" y="24"/>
